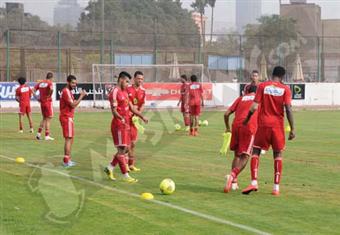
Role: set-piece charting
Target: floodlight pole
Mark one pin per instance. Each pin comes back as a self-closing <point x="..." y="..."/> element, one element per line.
<point x="102" y="32"/>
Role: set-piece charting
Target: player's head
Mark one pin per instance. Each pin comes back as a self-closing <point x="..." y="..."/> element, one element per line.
<point x="138" y="78"/>
<point x="279" y="72"/>
<point x="193" y="78"/>
<point x="21" y="80"/>
<point x="123" y="79"/>
<point x="71" y="81"/>
<point x="49" y="75"/>
<point x="184" y="78"/>
<point x="252" y="89"/>
<point x="255" y="76"/>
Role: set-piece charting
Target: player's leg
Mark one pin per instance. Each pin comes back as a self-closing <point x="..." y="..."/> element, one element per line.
<point x="47" y="128"/>
<point x="67" y="152"/>
<point x="67" y="125"/>
<point x="278" y="145"/>
<point x="131" y="153"/>
<point x="29" y="117"/>
<point x="21" y="130"/>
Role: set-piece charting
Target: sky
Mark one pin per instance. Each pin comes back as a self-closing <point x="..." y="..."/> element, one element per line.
<point x="224" y="11"/>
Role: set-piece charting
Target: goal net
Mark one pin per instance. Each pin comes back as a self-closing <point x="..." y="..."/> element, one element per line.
<point x="104" y="77"/>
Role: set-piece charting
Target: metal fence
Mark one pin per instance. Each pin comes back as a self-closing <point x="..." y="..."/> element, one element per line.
<point x="227" y="57"/>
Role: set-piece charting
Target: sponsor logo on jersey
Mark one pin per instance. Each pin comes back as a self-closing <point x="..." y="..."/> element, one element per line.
<point x="24" y="89"/>
<point x="43" y="85"/>
<point x="248" y="97"/>
<point x="194" y="86"/>
<point x="274" y="91"/>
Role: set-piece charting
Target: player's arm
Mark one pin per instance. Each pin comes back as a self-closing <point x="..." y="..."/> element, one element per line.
<point x="252" y="110"/>
<point x="226" y="119"/>
<point x="116" y="114"/>
<point x="34" y="92"/>
<point x="75" y="103"/>
<point x="289" y="113"/>
<point x="180" y="100"/>
<point x="137" y="113"/>
<point x="17" y="96"/>
<point x="202" y="98"/>
<point x="141" y="109"/>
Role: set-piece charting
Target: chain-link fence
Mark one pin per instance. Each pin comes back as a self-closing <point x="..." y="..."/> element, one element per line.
<point x="227" y="57"/>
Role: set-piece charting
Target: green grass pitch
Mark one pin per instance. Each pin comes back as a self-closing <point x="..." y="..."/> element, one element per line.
<point x="44" y="198"/>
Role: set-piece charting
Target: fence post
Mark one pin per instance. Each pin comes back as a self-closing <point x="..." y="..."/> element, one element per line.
<point x="319" y="59"/>
<point x="8" y="59"/>
<point x="59" y="56"/>
<point x="240" y="60"/>
<point x="111" y="56"/>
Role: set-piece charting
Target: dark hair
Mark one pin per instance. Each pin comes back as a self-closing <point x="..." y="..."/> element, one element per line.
<point x="193" y="78"/>
<point x="252" y="89"/>
<point x="22" y="80"/>
<point x="70" y="78"/>
<point x="255" y="71"/>
<point x="184" y="77"/>
<point x="138" y="73"/>
<point x="279" y="72"/>
<point x="49" y="75"/>
<point x="124" y="74"/>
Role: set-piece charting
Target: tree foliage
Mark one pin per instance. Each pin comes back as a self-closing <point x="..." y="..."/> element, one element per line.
<point x="135" y="22"/>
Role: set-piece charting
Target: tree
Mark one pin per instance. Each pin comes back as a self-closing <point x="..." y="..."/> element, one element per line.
<point x="140" y="22"/>
<point x="276" y="37"/>
<point x="199" y="6"/>
<point x="212" y="5"/>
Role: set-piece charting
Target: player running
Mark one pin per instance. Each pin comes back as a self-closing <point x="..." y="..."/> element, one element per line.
<point x="255" y="81"/>
<point x="274" y="97"/>
<point x="67" y="106"/>
<point x="137" y="97"/>
<point x="45" y="89"/>
<point x="120" y="126"/>
<point x="195" y="102"/>
<point x="23" y="95"/>
<point x="242" y="137"/>
<point x="184" y="100"/>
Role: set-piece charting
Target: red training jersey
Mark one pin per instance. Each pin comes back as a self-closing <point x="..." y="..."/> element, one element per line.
<point x="24" y="93"/>
<point x="241" y="108"/>
<point x="120" y="99"/>
<point x="66" y="99"/>
<point x="45" y="87"/>
<point x="272" y="97"/>
<point x="184" y="92"/>
<point x="136" y="95"/>
<point x="195" y="92"/>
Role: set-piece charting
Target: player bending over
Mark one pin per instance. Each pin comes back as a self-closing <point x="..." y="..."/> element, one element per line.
<point x="23" y="95"/>
<point x="67" y="106"/>
<point x="195" y="102"/>
<point x="242" y="137"/>
<point x="183" y="100"/>
<point x="274" y="97"/>
<point x="137" y="97"/>
<point x="120" y="126"/>
<point x="45" y="89"/>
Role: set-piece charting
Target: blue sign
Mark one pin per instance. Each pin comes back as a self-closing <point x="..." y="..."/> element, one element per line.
<point x="7" y="90"/>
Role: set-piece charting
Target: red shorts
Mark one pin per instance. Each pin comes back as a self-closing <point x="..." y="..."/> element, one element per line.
<point x="67" y="125"/>
<point x="242" y="139"/>
<point x="195" y="110"/>
<point x="24" y="108"/>
<point x="47" y="109"/>
<point x="133" y="133"/>
<point x="120" y="135"/>
<point x="270" y="136"/>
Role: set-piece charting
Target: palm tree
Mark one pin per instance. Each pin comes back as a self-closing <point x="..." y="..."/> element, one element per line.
<point x="199" y="5"/>
<point x="212" y="5"/>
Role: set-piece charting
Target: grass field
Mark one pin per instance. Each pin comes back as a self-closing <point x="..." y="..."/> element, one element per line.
<point x="43" y="198"/>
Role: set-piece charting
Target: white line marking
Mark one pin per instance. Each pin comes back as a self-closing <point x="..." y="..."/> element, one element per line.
<point x="185" y="210"/>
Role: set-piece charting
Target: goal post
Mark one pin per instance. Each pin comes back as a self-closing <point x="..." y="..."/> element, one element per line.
<point x="104" y="76"/>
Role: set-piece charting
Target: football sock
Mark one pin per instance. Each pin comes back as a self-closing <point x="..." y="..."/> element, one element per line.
<point x="122" y="163"/>
<point x="277" y="170"/>
<point x="67" y="159"/>
<point x="254" y="166"/>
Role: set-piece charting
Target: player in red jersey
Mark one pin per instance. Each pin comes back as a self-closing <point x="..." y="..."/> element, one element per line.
<point x="242" y="137"/>
<point x="45" y="89"/>
<point x="195" y="103"/>
<point x="255" y="81"/>
<point x="137" y="97"/>
<point x="184" y="100"/>
<point x="67" y="106"/>
<point x="120" y="126"/>
<point x="274" y="97"/>
<point x="23" y="95"/>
